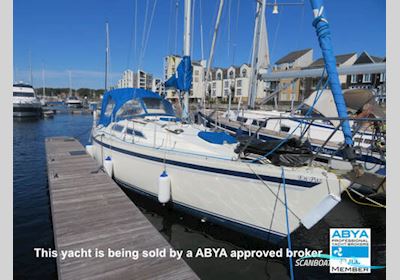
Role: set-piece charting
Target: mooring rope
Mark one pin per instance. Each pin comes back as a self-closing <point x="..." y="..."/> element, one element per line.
<point x="287" y="224"/>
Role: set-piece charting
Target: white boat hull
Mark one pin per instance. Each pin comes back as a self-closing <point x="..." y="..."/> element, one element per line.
<point x="227" y="191"/>
<point x="27" y="110"/>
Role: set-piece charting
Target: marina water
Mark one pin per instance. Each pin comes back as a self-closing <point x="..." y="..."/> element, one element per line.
<point x="33" y="227"/>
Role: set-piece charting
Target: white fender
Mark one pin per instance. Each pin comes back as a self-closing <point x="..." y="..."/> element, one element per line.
<point x="90" y="150"/>
<point x="164" y="188"/>
<point x="108" y="166"/>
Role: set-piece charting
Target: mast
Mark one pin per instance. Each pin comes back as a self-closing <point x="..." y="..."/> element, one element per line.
<point x="43" y="81"/>
<point x="324" y="37"/>
<point x="70" y="90"/>
<point x="186" y="52"/>
<point x="214" y="39"/>
<point x="260" y="19"/>
<point x="107" y="58"/>
<point x="30" y="69"/>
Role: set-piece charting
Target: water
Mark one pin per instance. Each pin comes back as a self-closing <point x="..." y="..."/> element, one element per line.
<point x="33" y="228"/>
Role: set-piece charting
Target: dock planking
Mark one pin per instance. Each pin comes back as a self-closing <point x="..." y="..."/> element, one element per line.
<point x="90" y="211"/>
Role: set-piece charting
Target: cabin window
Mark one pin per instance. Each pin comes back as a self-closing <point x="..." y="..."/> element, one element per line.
<point x="226" y="84"/>
<point x="23" y="94"/>
<point x="353" y="79"/>
<point x="130" y="109"/>
<point x="239" y="91"/>
<point x="118" y="128"/>
<point x="231" y="75"/>
<point x="366" y="78"/>
<point x="110" y="107"/>
<point x="135" y="132"/>
<point x="219" y="76"/>
<point x="285" y="128"/>
<point x="226" y="92"/>
<point x="244" y="73"/>
<point x="239" y="83"/>
<point x="158" y="106"/>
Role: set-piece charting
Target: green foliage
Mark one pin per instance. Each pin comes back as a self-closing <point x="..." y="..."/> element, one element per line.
<point x="63" y="92"/>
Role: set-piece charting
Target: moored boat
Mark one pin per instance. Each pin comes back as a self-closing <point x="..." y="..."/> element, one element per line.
<point x="138" y="138"/>
<point x="25" y="102"/>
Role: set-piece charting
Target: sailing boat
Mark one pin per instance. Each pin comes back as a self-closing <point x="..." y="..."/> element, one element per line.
<point x="141" y="143"/>
<point x="323" y="131"/>
<point x="72" y="101"/>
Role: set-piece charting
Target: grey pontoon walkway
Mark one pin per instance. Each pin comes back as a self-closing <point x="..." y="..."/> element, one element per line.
<point x="90" y="211"/>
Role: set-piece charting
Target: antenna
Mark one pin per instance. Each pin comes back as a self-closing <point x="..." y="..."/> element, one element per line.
<point x="43" y="81"/>
<point x="70" y="90"/>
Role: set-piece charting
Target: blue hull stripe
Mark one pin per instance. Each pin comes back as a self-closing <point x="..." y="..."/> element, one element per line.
<point x="265" y="234"/>
<point x="298" y="183"/>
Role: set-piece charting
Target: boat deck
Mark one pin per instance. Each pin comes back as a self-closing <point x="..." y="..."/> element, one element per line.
<point x="90" y="211"/>
<point x="218" y="116"/>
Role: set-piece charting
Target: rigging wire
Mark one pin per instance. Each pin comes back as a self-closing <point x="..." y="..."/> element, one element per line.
<point x="273" y="193"/>
<point x="276" y="34"/>
<point x="144" y="31"/>
<point x="309" y="111"/>
<point x="287" y="223"/>
<point x="133" y="37"/>
<point x="135" y="43"/>
<point x="229" y="27"/>
<point x="148" y="31"/>
<point x="176" y="26"/>
<point x="236" y="31"/>
<point x="169" y="47"/>
<point x="300" y="32"/>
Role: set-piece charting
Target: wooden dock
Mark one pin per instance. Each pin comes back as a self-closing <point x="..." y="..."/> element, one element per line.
<point x="90" y="211"/>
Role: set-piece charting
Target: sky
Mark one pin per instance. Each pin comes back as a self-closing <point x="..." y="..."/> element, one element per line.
<point x="69" y="35"/>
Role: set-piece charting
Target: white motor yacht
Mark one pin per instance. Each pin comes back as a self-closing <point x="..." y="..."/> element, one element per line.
<point x="73" y="102"/>
<point x="25" y="102"/>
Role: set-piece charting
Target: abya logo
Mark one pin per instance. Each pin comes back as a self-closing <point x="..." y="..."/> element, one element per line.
<point x="350" y="251"/>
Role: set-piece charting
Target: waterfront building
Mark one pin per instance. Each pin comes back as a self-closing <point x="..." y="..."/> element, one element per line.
<point x="295" y="60"/>
<point x="310" y="84"/>
<point x="375" y="81"/>
<point x="139" y="79"/>
<point x="157" y="86"/>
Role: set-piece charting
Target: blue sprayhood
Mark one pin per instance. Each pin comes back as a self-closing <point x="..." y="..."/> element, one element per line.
<point x="113" y="100"/>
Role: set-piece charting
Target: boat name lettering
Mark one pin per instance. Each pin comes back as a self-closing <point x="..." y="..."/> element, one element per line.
<point x="310" y="179"/>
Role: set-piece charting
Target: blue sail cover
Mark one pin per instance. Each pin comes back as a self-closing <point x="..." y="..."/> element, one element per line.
<point x="182" y="79"/>
<point x="113" y="100"/>
<point x="324" y="37"/>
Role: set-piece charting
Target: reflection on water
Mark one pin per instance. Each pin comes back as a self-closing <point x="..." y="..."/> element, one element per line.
<point x="33" y="228"/>
<point x="32" y="217"/>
